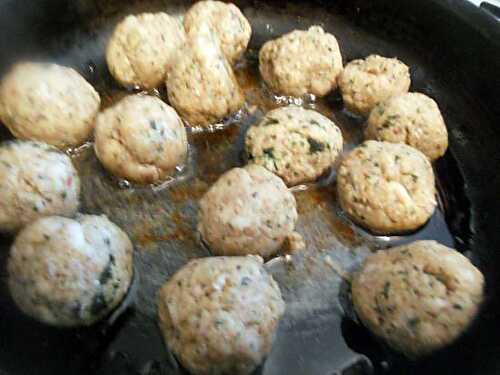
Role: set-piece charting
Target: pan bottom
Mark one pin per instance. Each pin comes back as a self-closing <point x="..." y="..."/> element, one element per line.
<point x="316" y="334"/>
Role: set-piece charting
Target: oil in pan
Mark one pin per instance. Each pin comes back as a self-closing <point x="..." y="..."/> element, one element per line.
<point x="161" y="222"/>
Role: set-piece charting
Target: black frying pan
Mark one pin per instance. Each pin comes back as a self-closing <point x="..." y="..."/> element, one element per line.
<point x="453" y="49"/>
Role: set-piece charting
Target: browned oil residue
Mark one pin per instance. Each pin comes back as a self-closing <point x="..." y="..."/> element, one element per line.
<point x="314" y="197"/>
<point x="112" y="96"/>
<point x="144" y="240"/>
<point x="343" y="230"/>
<point x="143" y="237"/>
<point x="179" y="230"/>
<point x="212" y="141"/>
<point x="215" y="152"/>
<point x="182" y="232"/>
<point x="184" y="193"/>
<point x="248" y="77"/>
<point x="322" y="107"/>
<point x="321" y="201"/>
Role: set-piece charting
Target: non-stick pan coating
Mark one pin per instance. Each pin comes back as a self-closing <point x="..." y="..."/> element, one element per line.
<point x="452" y="61"/>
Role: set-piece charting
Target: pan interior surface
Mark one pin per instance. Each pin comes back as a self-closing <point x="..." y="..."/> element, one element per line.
<point x="317" y="335"/>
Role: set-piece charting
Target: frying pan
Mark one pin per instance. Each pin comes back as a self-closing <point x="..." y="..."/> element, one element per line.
<point x="453" y="49"/>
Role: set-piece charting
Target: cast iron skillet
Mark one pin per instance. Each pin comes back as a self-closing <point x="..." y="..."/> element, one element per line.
<point x="454" y="53"/>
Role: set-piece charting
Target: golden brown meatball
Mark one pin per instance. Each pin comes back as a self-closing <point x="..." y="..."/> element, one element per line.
<point x="202" y="86"/>
<point x="141" y="139"/>
<point x="48" y="103"/>
<point x="70" y="272"/>
<point x="301" y="62"/>
<point x="143" y="48"/>
<point x="247" y="211"/>
<point x="36" y="180"/>
<point x="387" y="187"/>
<point x="410" y="118"/>
<point x="229" y="25"/>
<point x="219" y="315"/>
<point x="365" y="83"/>
<point x="297" y="144"/>
<point x="417" y="297"/>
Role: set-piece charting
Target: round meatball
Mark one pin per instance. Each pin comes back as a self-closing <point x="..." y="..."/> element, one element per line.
<point x="417" y="297"/>
<point x="142" y="49"/>
<point x="36" y="180"/>
<point x="297" y="144"/>
<point x="230" y="26"/>
<point x="301" y="62"/>
<point x="141" y="139"/>
<point x="202" y="86"/>
<point x="67" y="272"/>
<point x="48" y="103"/>
<point x="219" y="315"/>
<point x="365" y="83"/>
<point x="387" y="187"/>
<point x="410" y="118"/>
<point x="247" y="211"/>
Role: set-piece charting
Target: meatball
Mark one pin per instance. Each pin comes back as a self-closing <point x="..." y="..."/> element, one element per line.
<point x="417" y="297"/>
<point x="202" y="86"/>
<point x="67" y="272"/>
<point x="247" y="211"/>
<point x="387" y="187"/>
<point x="410" y="118"/>
<point x="297" y="144"/>
<point x="219" y="315"/>
<point x="48" y="103"/>
<point x="230" y="26"/>
<point x="140" y="139"/>
<point x="36" y="180"/>
<point x="301" y="62"/>
<point x="142" y="49"/>
<point x="365" y="83"/>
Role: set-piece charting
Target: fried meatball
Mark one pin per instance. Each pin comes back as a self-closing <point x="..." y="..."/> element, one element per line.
<point x="36" y="180"/>
<point x="297" y="144"/>
<point x="202" y="86"/>
<point x="142" y="49"/>
<point x="301" y="62"/>
<point x="410" y="118"/>
<point x="247" y="211"/>
<point x="140" y="139"/>
<point x="417" y="297"/>
<point x="230" y="26"/>
<point x="365" y="83"/>
<point x="67" y="272"/>
<point x="387" y="187"/>
<point x="219" y="315"/>
<point x="48" y="103"/>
